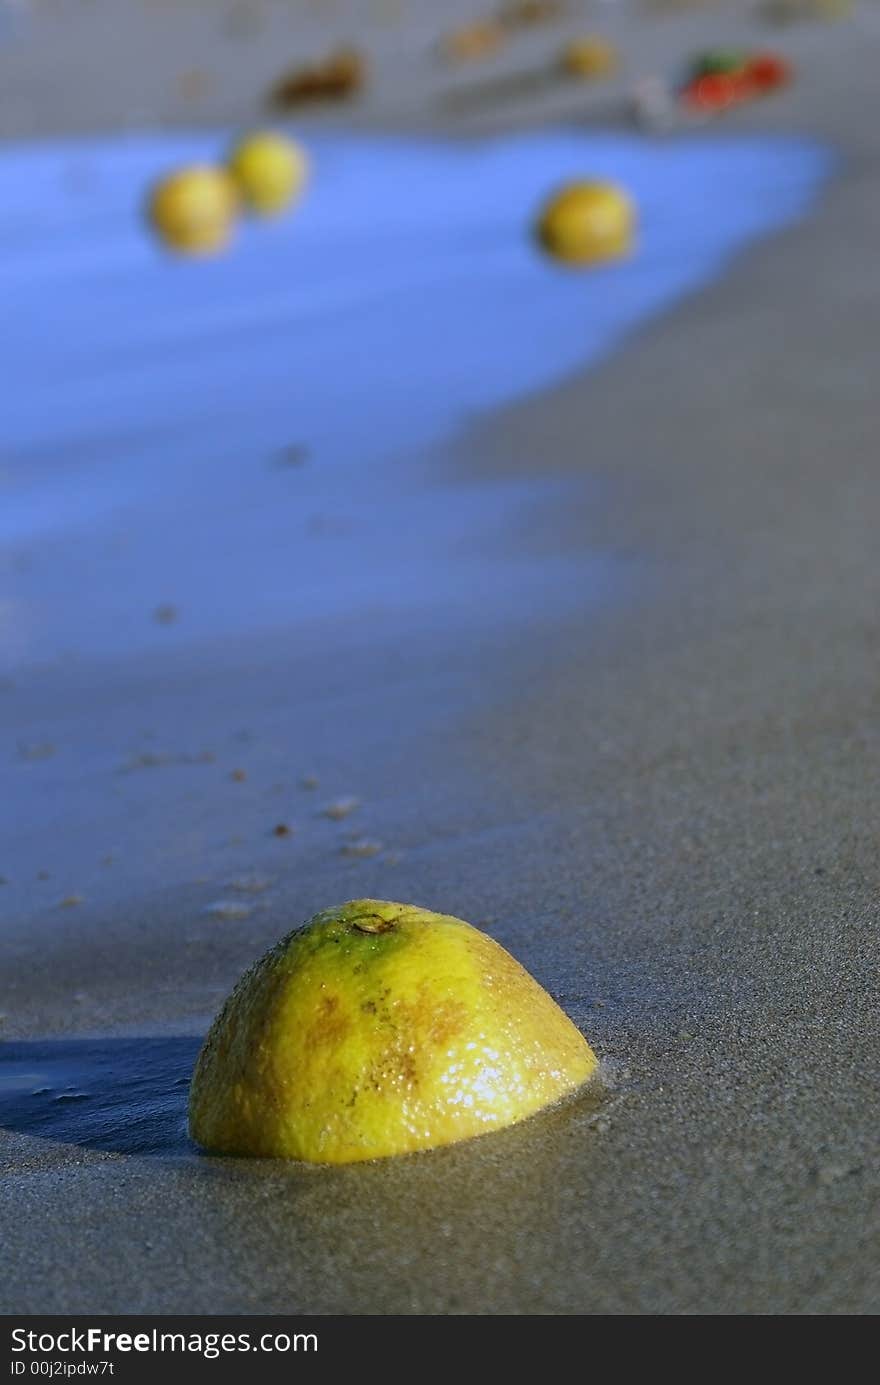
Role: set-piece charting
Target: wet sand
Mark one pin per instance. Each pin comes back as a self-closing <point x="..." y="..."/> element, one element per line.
<point x="663" y="801"/>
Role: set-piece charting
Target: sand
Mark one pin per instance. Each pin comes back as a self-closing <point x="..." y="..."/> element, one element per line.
<point x="664" y="802"/>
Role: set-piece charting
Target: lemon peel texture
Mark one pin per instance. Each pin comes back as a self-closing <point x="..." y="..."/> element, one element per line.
<point x="379" y="1029"/>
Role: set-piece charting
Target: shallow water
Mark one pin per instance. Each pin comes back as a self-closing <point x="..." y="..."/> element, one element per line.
<point x="122" y="1095"/>
<point x="245" y="439"/>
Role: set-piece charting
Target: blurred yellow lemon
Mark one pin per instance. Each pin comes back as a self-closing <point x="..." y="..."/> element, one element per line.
<point x="194" y="209"/>
<point x="269" y="170"/>
<point x="589" y="57"/>
<point x="472" y="42"/>
<point x="379" y="1029"/>
<point x="588" y="223"/>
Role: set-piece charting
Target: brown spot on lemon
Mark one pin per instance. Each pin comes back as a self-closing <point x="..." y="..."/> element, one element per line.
<point x="379" y="1029"/>
<point x="330" y="1025"/>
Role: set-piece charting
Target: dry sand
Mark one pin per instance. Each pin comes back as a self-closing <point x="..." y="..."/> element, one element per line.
<point x="666" y="807"/>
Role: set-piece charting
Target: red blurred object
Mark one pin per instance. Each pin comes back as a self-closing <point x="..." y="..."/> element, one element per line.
<point x="717" y="90"/>
<point x="767" y="71"/>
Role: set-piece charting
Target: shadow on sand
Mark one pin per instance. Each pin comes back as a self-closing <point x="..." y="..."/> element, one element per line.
<point x="124" y="1095"/>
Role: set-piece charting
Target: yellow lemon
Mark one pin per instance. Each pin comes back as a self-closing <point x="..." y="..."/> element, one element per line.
<point x="379" y="1029"/>
<point x="269" y="170"/>
<point x="589" y="57"/>
<point x="473" y="41"/>
<point x="588" y="223"/>
<point x="193" y="210"/>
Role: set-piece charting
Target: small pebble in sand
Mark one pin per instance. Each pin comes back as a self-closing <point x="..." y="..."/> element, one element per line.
<point x="238" y="776"/>
<point x="165" y="614"/>
<point x="829" y="1174"/>
<point x="147" y="759"/>
<point x="309" y="782"/>
<point x="35" y="750"/>
<point x="227" y="909"/>
<point x="70" y="901"/>
<point x="341" y="809"/>
<point x="296" y="454"/>
<point x="282" y="829"/>
<point x="154" y="759"/>
<point x="249" y="884"/>
<point x="361" y="847"/>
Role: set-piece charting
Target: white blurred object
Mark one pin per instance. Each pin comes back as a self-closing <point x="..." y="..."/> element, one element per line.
<point x="652" y="105"/>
